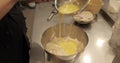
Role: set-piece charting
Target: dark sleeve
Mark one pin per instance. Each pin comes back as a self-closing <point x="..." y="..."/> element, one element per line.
<point x="17" y="15"/>
<point x="14" y="44"/>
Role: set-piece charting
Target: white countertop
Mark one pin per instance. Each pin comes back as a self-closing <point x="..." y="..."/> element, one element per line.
<point x="99" y="32"/>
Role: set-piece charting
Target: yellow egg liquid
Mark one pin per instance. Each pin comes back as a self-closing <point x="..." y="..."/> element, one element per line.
<point x="63" y="46"/>
<point x="69" y="46"/>
<point x="68" y="8"/>
<point x="60" y="16"/>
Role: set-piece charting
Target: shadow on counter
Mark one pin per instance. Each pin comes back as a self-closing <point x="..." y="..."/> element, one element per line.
<point x="37" y="54"/>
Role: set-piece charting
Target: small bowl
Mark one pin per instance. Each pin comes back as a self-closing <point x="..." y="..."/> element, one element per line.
<point x="84" y="17"/>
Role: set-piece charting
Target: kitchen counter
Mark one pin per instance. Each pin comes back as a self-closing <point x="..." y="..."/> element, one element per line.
<point x="99" y="33"/>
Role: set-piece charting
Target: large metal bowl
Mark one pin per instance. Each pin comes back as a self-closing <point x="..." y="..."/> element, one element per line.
<point x="67" y="30"/>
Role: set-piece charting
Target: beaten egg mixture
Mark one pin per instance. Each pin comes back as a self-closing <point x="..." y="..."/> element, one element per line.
<point x="63" y="46"/>
<point x="68" y="8"/>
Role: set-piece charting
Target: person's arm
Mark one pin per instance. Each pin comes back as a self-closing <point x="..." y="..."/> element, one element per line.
<point x="5" y="6"/>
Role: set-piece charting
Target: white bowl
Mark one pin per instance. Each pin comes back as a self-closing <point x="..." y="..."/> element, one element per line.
<point x="84" y="17"/>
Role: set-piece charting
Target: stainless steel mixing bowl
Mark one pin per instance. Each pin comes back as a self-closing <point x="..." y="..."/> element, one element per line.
<point x="67" y="30"/>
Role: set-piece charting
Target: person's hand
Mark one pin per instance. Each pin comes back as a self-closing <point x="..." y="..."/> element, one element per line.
<point x="5" y="6"/>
